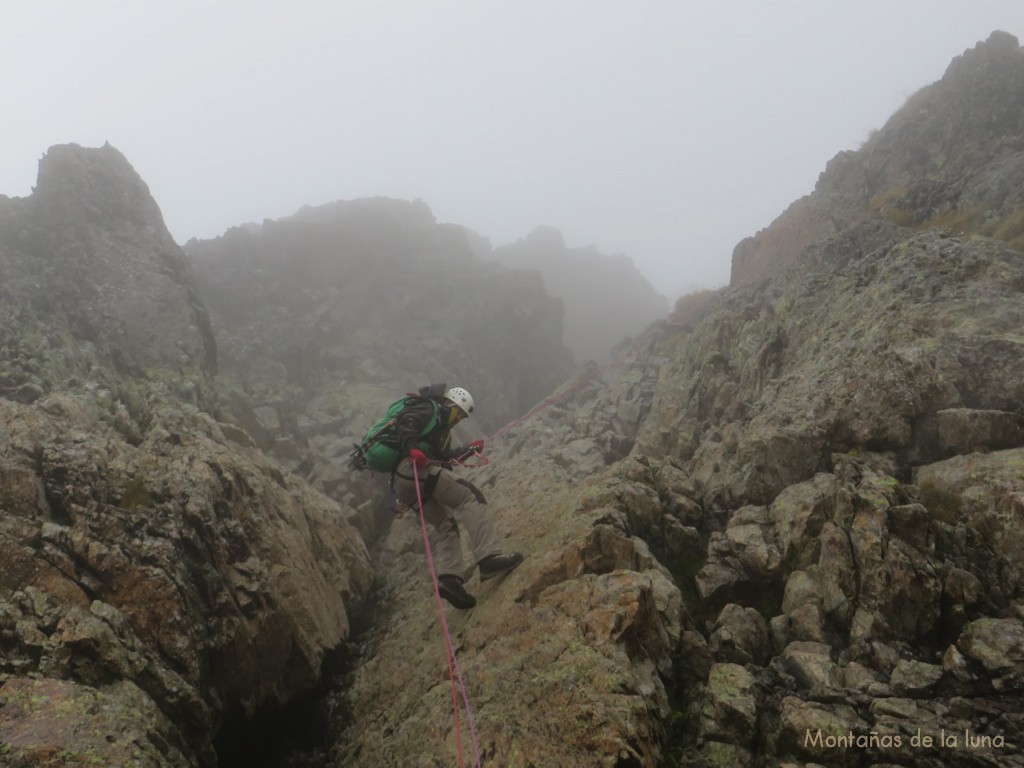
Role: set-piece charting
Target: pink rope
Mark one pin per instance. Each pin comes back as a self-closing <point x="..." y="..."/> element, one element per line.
<point x="453" y="662"/>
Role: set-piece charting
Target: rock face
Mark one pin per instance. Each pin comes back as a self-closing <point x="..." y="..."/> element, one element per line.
<point x="159" y="581"/>
<point x="911" y="352"/>
<point x="184" y="571"/>
<point x="952" y="158"/>
<point x="92" y="287"/>
<point x="366" y="292"/>
<point x="606" y="299"/>
<point x="786" y="532"/>
<point x="733" y="592"/>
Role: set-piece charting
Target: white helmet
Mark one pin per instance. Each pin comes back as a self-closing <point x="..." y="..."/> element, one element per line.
<point x="461" y="398"/>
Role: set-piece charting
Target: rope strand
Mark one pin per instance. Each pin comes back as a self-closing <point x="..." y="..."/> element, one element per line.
<point x="453" y="662"/>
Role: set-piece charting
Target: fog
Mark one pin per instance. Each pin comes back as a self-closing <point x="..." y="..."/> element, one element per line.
<point x="659" y="130"/>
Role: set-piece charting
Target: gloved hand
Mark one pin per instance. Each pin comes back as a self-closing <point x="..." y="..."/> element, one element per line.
<point x="419" y="458"/>
<point x="477" y="446"/>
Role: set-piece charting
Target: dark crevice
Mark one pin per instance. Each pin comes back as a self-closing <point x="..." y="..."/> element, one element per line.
<point x="301" y="732"/>
<point x="291" y="736"/>
<point x="298" y="734"/>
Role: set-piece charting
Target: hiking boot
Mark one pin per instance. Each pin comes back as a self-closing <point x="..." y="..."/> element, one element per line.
<point x="496" y="565"/>
<point x="451" y="589"/>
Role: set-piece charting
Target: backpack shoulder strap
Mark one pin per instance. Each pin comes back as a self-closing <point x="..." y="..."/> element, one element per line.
<point x="435" y="419"/>
<point x="399" y="407"/>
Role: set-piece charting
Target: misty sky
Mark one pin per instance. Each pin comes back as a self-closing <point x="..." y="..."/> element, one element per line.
<point x="654" y="129"/>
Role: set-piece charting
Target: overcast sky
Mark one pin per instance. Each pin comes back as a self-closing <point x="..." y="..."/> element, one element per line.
<point x="659" y="130"/>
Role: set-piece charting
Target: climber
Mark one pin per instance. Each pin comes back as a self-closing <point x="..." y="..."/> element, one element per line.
<point x="448" y="500"/>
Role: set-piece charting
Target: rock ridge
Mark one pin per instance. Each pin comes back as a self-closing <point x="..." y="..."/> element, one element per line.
<point x="606" y="298"/>
<point x="160" y="581"/>
<point x="93" y="285"/>
<point x="949" y="159"/>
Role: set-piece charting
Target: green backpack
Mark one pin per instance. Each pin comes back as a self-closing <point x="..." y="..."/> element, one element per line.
<point x="379" y="449"/>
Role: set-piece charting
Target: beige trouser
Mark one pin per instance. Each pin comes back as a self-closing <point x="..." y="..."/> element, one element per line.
<point x="451" y="502"/>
